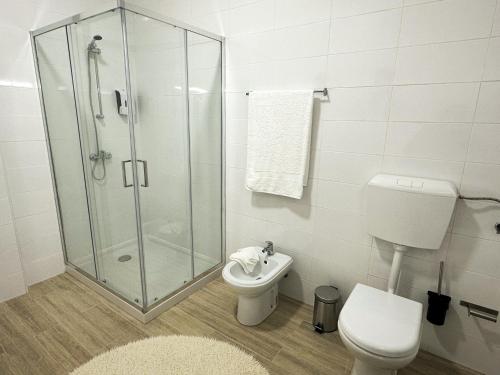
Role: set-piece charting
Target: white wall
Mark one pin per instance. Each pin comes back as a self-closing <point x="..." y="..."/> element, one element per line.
<point x="413" y="90"/>
<point x="30" y="248"/>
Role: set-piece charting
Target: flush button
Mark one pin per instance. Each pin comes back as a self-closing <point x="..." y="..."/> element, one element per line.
<point x="417" y="184"/>
<point x="403" y="182"/>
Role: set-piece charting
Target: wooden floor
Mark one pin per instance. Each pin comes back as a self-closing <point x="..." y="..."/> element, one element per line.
<point x="61" y="324"/>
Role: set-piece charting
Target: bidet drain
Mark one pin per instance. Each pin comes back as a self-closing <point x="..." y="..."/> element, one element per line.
<point x="124" y="258"/>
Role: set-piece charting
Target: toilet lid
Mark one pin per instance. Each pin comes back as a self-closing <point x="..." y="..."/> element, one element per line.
<point x="381" y="323"/>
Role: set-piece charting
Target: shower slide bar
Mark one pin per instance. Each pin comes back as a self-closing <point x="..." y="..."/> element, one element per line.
<point x="322" y="91"/>
<point x="100" y="114"/>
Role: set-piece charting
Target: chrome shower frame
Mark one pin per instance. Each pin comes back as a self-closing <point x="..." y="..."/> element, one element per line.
<point x="144" y="313"/>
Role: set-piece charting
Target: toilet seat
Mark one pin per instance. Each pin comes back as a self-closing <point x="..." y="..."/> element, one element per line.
<point x="381" y="323"/>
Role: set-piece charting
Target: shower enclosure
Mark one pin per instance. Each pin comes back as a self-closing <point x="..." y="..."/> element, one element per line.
<point x="133" y="113"/>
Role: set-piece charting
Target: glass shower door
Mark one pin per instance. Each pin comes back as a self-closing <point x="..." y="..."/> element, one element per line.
<point x="157" y="56"/>
<point x="176" y="83"/>
<point x="99" y="57"/>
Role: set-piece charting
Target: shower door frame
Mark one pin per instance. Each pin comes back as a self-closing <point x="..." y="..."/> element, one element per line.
<point x="146" y="313"/>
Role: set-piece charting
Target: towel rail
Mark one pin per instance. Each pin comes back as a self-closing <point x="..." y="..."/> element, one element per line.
<point x="322" y="91"/>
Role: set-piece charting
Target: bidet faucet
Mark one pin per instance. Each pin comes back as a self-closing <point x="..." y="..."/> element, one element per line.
<point x="269" y="249"/>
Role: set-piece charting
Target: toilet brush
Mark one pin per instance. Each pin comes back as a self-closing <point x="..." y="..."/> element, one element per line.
<point x="438" y="303"/>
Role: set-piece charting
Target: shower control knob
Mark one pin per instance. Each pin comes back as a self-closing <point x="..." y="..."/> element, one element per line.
<point x="497" y="228"/>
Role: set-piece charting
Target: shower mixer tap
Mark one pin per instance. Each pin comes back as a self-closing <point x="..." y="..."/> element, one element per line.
<point x="102" y="155"/>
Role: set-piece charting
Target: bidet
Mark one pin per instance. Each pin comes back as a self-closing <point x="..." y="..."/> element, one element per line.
<point x="258" y="290"/>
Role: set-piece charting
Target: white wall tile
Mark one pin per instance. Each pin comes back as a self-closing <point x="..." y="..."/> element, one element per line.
<point x="7" y="238"/>
<point x="24" y="154"/>
<point x="340" y="196"/>
<point x="353" y="136"/>
<point x="296" y="12"/>
<point x="475" y="255"/>
<point x="365" y="32"/>
<point x="343" y="225"/>
<point x="44" y="268"/>
<point x="496" y="22"/>
<point x="301" y="41"/>
<point x="203" y="7"/>
<point x="21" y="128"/>
<point x="492" y="64"/>
<point x="236" y="131"/>
<point x="476" y="219"/>
<point x="362" y="103"/>
<point x="485" y="144"/>
<point x="12" y="286"/>
<point x="31" y="228"/>
<point x="415" y="2"/>
<point x="369" y="68"/>
<point x="488" y="109"/>
<point x="434" y="103"/>
<point x="239" y="3"/>
<point x="481" y="179"/>
<point x="428" y="140"/>
<point x="446" y="20"/>
<point x="307" y="73"/>
<point x="4" y="193"/>
<point x="236" y="106"/>
<point x="346" y="8"/>
<point x="460" y="348"/>
<point x="32" y="202"/>
<point x="472" y="286"/>
<point x="439" y="63"/>
<point x="29" y="179"/>
<point x="349" y="168"/>
<point x="5" y="213"/>
<point x="10" y="262"/>
<point x="249" y="48"/>
<point x="254" y="17"/>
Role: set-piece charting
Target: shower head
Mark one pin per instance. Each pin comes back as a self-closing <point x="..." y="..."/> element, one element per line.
<point x="92" y="47"/>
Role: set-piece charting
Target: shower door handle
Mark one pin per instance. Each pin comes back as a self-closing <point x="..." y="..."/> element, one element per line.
<point x="145" y="170"/>
<point x="124" y="173"/>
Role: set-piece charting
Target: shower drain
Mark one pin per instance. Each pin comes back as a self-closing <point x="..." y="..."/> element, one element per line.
<point x="124" y="258"/>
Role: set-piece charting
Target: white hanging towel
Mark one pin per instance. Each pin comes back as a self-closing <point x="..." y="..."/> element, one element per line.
<point x="248" y="257"/>
<point x="279" y="139"/>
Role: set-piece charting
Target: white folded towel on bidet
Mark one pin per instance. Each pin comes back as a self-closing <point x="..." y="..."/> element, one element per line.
<point x="279" y="138"/>
<point x="248" y="257"/>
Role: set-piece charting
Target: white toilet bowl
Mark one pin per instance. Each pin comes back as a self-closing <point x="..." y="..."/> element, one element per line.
<point x="381" y="330"/>
<point x="257" y="291"/>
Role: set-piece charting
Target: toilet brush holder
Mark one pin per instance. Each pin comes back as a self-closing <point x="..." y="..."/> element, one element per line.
<point x="437" y="308"/>
<point x="438" y="303"/>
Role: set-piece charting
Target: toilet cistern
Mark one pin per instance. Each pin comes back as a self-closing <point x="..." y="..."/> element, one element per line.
<point x="409" y="212"/>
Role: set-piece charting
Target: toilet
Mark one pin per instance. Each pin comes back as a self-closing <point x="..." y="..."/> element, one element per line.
<point x="258" y="290"/>
<point x="379" y="328"/>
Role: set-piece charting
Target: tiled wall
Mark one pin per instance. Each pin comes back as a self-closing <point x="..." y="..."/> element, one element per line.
<point x="30" y="248"/>
<point x="414" y="89"/>
<point x="29" y="239"/>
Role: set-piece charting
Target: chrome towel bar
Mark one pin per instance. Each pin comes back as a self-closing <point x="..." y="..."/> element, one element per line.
<point x="322" y="91"/>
